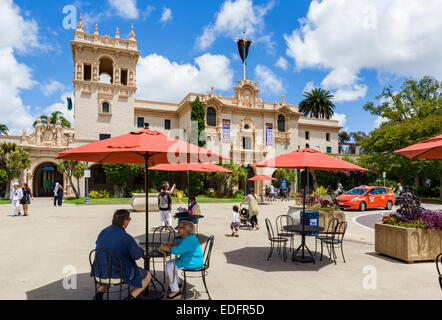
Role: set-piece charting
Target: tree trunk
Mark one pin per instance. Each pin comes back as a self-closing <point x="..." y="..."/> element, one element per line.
<point x="440" y="191"/>
<point x="73" y="186"/>
<point x="8" y="190"/>
<point x="315" y="180"/>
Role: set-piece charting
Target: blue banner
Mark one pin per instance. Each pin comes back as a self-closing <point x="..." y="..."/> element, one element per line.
<point x="269" y="134"/>
<point x="226" y="131"/>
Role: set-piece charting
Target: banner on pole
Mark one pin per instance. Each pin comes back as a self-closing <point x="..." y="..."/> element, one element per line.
<point x="243" y="48"/>
<point x="226" y="130"/>
<point x="269" y="134"/>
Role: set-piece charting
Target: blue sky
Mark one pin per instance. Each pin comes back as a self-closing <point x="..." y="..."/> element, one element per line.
<point x="351" y="47"/>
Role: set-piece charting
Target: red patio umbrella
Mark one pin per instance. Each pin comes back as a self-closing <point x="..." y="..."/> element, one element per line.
<point x="428" y="149"/>
<point x="261" y="177"/>
<point x="308" y="159"/>
<point x="141" y="147"/>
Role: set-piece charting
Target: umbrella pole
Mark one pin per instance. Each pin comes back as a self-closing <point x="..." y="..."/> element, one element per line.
<point x="188" y="190"/>
<point x="147" y="259"/>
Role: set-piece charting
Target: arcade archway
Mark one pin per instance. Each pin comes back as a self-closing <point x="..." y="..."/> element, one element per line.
<point x="45" y="177"/>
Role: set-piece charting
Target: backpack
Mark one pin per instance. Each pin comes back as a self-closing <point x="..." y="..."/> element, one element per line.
<point x="163" y="201"/>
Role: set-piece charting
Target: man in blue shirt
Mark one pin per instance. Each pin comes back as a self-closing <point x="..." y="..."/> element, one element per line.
<point x="114" y="238"/>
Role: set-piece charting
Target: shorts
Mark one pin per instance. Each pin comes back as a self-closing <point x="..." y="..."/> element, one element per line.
<point x="235" y="225"/>
<point x="143" y="273"/>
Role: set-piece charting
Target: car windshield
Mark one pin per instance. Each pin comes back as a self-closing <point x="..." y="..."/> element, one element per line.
<point x="356" y="191"/>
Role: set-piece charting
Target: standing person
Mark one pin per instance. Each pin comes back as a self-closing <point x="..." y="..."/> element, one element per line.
<point x="252" y="201"/>
<point x="289" y="193"/>
<point x="400" y="188"/>
<point x="15" y="197"/>
<point x="55" y="192"/>
<point x="166" y="183"/>
<point x="272" y="191"/>
<point x="236" y="221"/>
<point x="165" y="206"/>
<point x="267" y="191"/>
<point x="26" y="200"/>
<point x="59" y="195"/>
<point x="116" y="239"/>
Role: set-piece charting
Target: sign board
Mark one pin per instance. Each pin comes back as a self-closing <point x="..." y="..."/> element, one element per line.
<point x="384" y="174"/>
<point x="87" y="173"/>
<point x="269" y="134"/>
<point x="283" y="183"/>
<point x="226" y="130"/>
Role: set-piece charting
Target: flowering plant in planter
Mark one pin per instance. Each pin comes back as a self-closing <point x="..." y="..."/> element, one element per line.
<point x="411" y="214"/>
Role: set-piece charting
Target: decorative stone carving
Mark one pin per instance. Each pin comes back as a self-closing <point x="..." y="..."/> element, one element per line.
<point x="46" y="134"/>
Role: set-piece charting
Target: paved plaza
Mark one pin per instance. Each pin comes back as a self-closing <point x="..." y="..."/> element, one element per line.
<point x="40" y="250"/>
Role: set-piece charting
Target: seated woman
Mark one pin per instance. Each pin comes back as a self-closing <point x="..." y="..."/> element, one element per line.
<point x="190" y="256"/>
<point x="194" y="210"/>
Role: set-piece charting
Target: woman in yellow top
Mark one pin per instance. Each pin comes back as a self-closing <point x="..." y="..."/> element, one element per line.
<point x="252" y="201"/>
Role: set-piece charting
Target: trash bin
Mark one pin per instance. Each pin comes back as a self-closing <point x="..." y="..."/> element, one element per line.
<point x="310" y="218"/>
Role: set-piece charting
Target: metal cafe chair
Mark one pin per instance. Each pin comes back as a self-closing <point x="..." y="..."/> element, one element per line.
<point x="159" y="235"/>
<point x="207" y="253"/>
<point x="275" y="240"/>
<point x="336" y="240"/>
<point x="109" y="258"/>
<point x="281" y="221"/>
<point x="330" y="228"/>
<point x="439" y="262"/>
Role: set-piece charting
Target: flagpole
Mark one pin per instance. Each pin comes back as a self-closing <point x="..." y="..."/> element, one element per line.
<point x="244" y="62"/>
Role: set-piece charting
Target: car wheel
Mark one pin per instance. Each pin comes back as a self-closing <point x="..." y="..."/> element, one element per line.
<point x="389" y="205"/>
<point x="362" y="206"/>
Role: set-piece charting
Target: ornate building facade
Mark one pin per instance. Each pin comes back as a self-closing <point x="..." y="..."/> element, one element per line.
<point x="242" y="127"/>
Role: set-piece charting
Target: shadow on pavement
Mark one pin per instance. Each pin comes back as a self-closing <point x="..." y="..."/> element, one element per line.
<point x="256" y="258"/>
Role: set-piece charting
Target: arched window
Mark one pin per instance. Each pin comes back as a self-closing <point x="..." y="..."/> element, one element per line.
<point x="106" y="70"/>
<point x="281" y="123"/>
<point x="105" y="108"/>
<point x="211" y="117"/>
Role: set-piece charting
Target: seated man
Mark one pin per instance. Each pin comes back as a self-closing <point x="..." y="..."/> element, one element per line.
<point x="115" y="238"/>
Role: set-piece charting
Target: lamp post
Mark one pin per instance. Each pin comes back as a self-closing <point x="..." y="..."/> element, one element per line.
<point x="246" y="168"/>
<point x="87" y="174"/>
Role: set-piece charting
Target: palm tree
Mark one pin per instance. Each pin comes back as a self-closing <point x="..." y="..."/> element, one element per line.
<point x="317" y="104"/>
<point x="54" y="117"/>
<point x="72" y="168"/>
<point x="3" y="129"/>
<point x="13" y="160"/>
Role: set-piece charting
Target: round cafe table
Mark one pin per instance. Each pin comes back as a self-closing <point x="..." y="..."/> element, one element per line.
<point x="303" y="230"/>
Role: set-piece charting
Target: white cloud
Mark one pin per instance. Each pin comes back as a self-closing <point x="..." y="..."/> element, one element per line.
<point x="51" y="87"/>
<point x="352" y="93"/>
<point x="346" y="36"/>
<point x="19" y="34"/>
<point x="342" y="119"/>
<point x="282" y="63"/>
<point x="233" y="17"/>
<point x="126" y="9"/>
<point x="166" y="15"/>
<point x="148" y="11"/>
<point x="16" y="32"/>
<point x="160" y="79"/>
<point x="268" y="81"/>
<point x="309" y="87"/>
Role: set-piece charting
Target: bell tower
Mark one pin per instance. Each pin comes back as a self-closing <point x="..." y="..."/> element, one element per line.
<point x="104" y="83"/>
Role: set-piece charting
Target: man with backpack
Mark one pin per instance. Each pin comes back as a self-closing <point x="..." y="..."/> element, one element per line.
<point x="165" y="206"/>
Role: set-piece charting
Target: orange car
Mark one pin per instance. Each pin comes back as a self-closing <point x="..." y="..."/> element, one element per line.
<point x="363" y="197"/>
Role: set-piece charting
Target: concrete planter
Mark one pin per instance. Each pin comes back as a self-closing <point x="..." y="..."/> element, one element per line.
<point x="138" y="202"/>
<point x="408" y="244"/>
<point x="326" y="216"/>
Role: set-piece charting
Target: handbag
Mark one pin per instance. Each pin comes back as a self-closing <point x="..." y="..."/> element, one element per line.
<point x="164" y="250"/>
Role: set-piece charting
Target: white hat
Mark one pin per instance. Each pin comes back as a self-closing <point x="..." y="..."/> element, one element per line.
<point x="15" y="184"/>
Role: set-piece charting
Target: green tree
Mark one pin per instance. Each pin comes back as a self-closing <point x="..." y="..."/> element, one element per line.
<point x="225" y="182"/>
<point x="412" y="115"/>
<point x="72" y="168"/>
<point x="197" y="180"/>
<point x="53" y="118"/>
<point x="3" y="129"/>
<point x="318" y="104"/>
<point x="118" y="174"/>
<point x="343" y="137"/>
<point x="13" y="160"/>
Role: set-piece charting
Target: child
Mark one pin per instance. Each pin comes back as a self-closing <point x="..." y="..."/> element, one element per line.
<point x="236" y="221"/>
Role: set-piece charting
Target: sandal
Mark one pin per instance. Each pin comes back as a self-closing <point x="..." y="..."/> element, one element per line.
<point x="176" y="296"/>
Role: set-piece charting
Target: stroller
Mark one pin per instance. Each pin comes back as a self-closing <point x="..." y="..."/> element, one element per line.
<point x="245" y="218"/>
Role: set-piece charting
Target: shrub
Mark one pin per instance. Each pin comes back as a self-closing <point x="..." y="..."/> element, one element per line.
<point x="239" y="194"/>
<point x="103" y="194"/>
<point x="152" y="190"/>
<point x="321" y="191"/>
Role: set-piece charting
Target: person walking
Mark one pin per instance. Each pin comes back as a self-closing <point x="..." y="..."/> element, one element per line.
<point x="289" y="193"/>
<point x="236" y="221"/>
<point x="58" y="194"/>
<point x="400" y="188"/>
<point x="165" y="206"/>
<point x="252" y="201"/>
<point x="26" y="200"/>
<point x="15" y="197"/>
